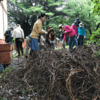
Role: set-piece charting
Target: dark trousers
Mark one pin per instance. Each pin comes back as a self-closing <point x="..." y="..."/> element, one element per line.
<point x="19" y="46"/>
<point x="80" y="40"/>
<point x="72" y="40"/>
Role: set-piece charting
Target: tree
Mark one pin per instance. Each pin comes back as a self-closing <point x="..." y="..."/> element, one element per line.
<point x="25" y="13"/>
<point x="82" y="10"/>
<point x="96" y="10"/>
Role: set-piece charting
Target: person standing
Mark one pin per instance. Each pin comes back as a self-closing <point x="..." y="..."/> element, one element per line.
<point x="75" y="26"/>
<point x="81" y="33"/>
<point x="36" y="32"/>
<point x="61" y="27"/>
<point x="18" y="34"/>
<point x="8" y="36"/>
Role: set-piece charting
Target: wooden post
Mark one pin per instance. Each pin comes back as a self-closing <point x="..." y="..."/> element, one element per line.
<point x="3" y="11"/>
<point x="3" y="21"/>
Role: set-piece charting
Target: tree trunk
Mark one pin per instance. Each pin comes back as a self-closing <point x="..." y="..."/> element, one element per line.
<point x="90" y="31"/>
<point x="98" y="26"/>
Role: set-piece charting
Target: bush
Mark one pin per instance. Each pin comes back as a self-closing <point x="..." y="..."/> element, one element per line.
<point x="95" y="37"/>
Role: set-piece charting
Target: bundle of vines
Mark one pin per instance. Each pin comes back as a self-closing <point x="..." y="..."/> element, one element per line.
<point x="55" y="75"/>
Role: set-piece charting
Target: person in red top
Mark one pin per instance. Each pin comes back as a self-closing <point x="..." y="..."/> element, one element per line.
<point x="75" y="26"/>
<point x="71" y="32"/>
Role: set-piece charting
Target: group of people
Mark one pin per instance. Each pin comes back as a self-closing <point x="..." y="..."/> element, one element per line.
<point x="76" y="34"/>
<point x="18" y="35"/>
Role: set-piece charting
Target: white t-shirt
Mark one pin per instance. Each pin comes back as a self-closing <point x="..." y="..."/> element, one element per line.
<point x="18" y="33"/>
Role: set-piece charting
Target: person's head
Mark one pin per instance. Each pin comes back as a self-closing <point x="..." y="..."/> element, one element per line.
<point x="49" y="27"/>
<point x="42" y="17"/>
<point x="77" y="21"/>
<point x="80" y="24"/>
<point x="51" y="31"/>
<point x="61" y="27"/>
<point x="18" y="25"/>
<point x="11" y="29"/>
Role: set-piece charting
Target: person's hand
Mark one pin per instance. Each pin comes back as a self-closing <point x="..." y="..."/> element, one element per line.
<point x="62" y="42"/>
<point x="43" y="39"/>
<point x="84" y="36"/>
<point x="53" y="42"/>
<point x="46" y="32"/>
<point x="60" y="35"/>
<point x="65" y="32"/>
<point x="50" y="42"/>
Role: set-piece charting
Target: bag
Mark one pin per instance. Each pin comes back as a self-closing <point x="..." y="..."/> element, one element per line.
<point x="1" y="68"/>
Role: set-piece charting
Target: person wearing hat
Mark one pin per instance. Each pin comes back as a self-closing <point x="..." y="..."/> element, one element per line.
<point x="36" y="32"/>
<point x="50" y="37"/>
<point x="81" y="34"/>
<point x="71" y="32"/>
<point x="8" y="36"/>
<point x="75" y="26"/>
<point x="61" y="29"/>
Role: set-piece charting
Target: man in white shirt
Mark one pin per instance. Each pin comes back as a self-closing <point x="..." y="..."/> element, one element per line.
<point x="18" y="34"/>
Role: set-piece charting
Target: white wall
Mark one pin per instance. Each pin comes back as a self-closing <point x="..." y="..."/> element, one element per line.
<point x="3" y="19"/>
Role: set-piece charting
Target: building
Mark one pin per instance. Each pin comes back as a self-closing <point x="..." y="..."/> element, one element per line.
<point x="3" y="18"/>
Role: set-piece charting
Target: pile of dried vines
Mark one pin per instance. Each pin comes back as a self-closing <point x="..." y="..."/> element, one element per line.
<point x="55" y="75"/>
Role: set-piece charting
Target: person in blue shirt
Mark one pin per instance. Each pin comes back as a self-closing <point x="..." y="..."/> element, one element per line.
<point x="81" y="34"/>
<point x="8" y="36"/>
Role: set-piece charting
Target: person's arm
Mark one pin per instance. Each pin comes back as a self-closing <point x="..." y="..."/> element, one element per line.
<point x="64" y="37"/>
<point x="78" y="30"/>
<point x="40" y="30"/>
<point x="13" y="34"/>
<point x="67" y="29"/>
<point x="22" y="34"/>
<point x="6" y="33"/>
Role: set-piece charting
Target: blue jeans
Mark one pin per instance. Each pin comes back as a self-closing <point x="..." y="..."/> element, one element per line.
<point x="72" y="40"/>
<point x="34" y="44"/>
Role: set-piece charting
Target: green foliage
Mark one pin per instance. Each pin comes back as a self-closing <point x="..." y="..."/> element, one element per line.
<point x="96" y="6"/>
<point x="58" y="11"/>
<point x="95" y="37"/>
